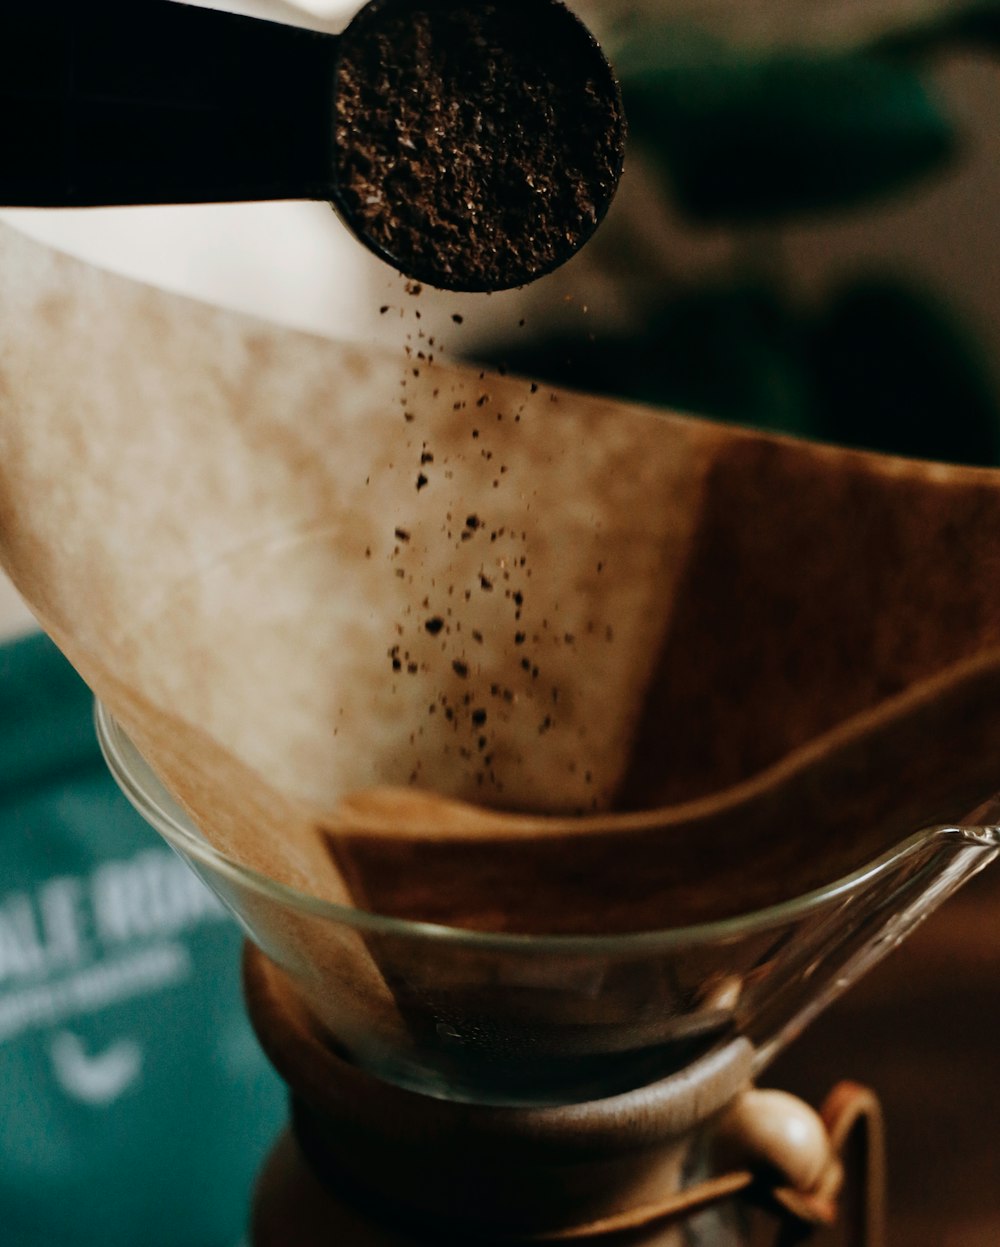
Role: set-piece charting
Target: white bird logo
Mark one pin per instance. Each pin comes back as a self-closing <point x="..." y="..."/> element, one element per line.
<point x="98" y="1078"/>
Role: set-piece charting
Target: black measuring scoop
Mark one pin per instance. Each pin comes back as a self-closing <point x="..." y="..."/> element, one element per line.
<point x="473" y="146"/>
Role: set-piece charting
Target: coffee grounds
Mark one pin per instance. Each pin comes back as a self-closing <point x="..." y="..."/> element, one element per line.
<point x="478" y="144"/>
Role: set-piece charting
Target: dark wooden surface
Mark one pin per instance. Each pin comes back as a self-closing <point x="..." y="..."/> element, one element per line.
<point x="923" y="1029"/>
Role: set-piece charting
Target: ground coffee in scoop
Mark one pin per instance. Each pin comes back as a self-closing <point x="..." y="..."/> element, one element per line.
<point x="479" y="143"/>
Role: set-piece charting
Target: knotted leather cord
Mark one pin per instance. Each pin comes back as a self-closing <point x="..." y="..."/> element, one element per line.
<point x="852" y="1116"/>
<point x="853" y="1119"/>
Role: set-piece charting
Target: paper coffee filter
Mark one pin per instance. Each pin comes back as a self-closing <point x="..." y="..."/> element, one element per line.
<point x="231" y="521"/>
<point x="454" y="646"/>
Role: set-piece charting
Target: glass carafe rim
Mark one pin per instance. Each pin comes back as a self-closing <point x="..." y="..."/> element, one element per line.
<point x="117" y="748"/>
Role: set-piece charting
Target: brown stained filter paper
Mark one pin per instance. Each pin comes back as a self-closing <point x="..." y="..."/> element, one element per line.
<point x="457" y="647"/>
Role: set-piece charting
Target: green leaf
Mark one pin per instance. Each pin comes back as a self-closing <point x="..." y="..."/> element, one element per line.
<point x="729" y="352"/>
<point x="749" y="140"/>
<point x="980" y="28"/>
<point x="894" y="371"/>
<point x="976" y="27"/>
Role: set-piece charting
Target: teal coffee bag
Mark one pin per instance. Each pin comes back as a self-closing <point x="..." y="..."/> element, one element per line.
<point x="135" y="1106"/>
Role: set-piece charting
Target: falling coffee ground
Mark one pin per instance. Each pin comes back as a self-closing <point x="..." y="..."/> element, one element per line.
<point x="478" y="144"/>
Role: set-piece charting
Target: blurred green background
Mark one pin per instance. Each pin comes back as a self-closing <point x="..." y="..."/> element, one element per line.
<point x="750" y="144"/>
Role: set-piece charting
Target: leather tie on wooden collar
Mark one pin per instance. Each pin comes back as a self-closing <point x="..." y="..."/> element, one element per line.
<point x="793" y="1161"/>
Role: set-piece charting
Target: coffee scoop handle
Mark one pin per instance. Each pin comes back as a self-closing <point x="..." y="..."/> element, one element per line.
<point x="149" y="101"/>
